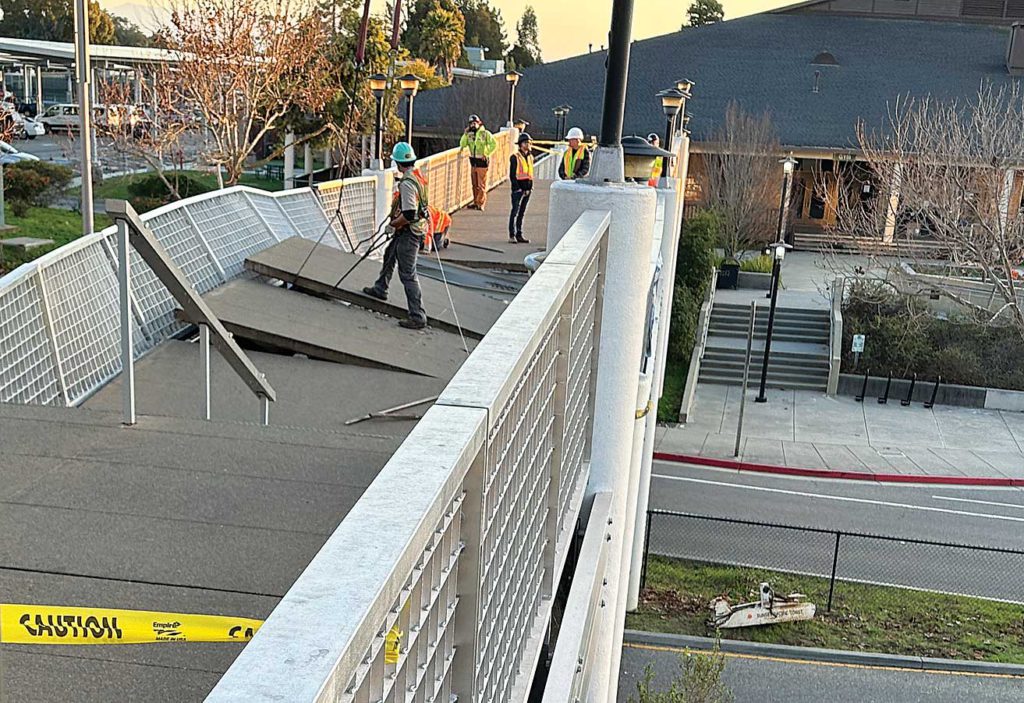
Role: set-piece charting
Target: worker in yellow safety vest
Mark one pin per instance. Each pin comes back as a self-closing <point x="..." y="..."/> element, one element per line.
<point x="659" y="163"/>
<point x="576" y="160"/>
<point x="480" y="144"/>
<point x="520" y="174"/>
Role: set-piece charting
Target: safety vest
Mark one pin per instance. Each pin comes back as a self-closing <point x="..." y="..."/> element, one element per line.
<point x="421" y="191"/>
<point x="524" y="166"/>
<point x="571" y="158"/>
<point x="656" y="172"/>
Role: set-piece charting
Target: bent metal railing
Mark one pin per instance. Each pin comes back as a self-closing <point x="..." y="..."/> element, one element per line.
<point x="455" y="550"/>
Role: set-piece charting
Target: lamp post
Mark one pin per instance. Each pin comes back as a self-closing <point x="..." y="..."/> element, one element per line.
<point x="671" y="102"/>
<point x="559" y="112"/>
<point x="565" y="120"/>
<point x="684" y="86"/>
<point x="410" y="84"/>
<point x="777" y="251"/>
<point x="378" y="84"/>
<point x="513" y="80"/>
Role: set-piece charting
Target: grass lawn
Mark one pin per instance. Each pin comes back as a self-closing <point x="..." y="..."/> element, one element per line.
<point x="672" y="393"/>
<point x="62" y="226"/>
<point x="865" y="618"/>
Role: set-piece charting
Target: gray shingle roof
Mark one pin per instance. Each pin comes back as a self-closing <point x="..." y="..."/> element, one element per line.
<point x="763" y="62"/>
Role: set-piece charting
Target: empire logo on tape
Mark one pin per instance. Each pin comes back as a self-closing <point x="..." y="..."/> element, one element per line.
<point x="54" y="624"/>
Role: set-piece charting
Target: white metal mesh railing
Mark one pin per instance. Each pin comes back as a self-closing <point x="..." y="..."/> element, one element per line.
<point x="59" y="315"/>
<point x="350" y="206"/>
<point x="464" y="572"/>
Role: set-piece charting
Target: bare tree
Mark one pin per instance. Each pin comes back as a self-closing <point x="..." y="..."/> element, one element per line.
<point x="948" y="189"/>
<point x="741" y="178"/>
<point x="244" y="68"/>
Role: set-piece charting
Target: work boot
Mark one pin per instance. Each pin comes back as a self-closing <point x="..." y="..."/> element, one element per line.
<point x="374" y="293"/>
<point x="411" y="324"/>
<point x="522" y="240"/>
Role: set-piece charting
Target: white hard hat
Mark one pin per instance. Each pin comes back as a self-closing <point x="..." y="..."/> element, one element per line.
<point x="575" y="133"/>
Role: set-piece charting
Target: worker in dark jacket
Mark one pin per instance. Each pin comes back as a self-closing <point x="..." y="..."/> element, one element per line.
<point x="520" y="175"/>
<point x="408" y="224"/>
<point x="576" y="159"/>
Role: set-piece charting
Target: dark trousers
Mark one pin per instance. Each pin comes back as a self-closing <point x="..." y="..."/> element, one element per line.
<point x="403" y="250"/>
<point x="520" y="199"/>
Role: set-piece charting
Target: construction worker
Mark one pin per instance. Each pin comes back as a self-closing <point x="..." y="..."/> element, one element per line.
<point x="481" y="144"/>
<point x="659" y="163"/>
<point x="576" y="160"/>
<point x="520" y="174"/>
<point x="408" y="225"/>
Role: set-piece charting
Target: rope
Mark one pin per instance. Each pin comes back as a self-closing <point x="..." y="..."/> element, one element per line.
<point x="448" y="290"/>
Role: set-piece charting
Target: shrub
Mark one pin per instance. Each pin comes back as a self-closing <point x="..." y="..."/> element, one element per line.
<point x="696" y="254"/>
<point x="699" y="681"/>
<point x="151" y="186"/>
<point x="682" y="333"/>
<point x="34" y="183"/>
<point x="758" y="264"/>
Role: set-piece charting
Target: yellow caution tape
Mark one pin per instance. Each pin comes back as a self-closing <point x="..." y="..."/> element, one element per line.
<point x="55" y="624"/>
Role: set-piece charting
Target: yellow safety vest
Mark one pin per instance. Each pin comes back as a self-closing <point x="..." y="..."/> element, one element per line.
<point x="524" y="166"/>
<point x="571" y="158"/>
<point x="656" y="173"/>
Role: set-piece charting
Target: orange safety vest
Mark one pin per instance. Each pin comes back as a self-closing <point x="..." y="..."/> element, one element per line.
<point x="571" y="158"/>
<point x="656" y="172"/>
<point x="524" y="166"/>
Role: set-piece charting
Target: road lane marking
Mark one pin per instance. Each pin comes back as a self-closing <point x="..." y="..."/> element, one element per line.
<point x="787" y="660"/>
<point x="844" y="499"/>
<point x="980" y="502"/>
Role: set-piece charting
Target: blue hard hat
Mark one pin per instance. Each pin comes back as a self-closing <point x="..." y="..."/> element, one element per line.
<point x="403" y="153"/>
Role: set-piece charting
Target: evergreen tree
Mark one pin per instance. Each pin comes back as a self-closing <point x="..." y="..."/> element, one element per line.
<point x="52" y="20"/>
<point x="526" y="52"/>
<point x="703" y="12"/>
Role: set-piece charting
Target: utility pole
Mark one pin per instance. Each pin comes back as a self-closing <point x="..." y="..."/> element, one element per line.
<point x="83" y="71"/>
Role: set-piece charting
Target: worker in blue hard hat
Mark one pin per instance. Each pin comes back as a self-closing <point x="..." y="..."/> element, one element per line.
<point x="408" y="224"/>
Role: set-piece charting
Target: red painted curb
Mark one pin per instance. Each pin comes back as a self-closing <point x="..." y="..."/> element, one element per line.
<point x="829" y="473"/>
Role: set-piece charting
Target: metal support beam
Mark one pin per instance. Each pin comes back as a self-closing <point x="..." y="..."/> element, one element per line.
<point x="127" y="347"/>
<point x="84" y="72"/>
<point x="204" y="356"/>
<point x="39" y="90"/>
<point x="195" y="308"/>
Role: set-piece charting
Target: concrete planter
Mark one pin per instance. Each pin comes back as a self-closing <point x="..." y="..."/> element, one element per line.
<point x="755" y="281"/>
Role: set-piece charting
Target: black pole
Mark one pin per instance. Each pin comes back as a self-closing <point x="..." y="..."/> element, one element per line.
<point x="910" y="393"/>
<point x="617" y="74"/>
<point x="885" y="397"/>
<point x="668" y="135"/>
<point x="511" y="103"/>
<point x="761" y="398"/>
<point x="832" y="579"/>
<point x="378" y="137"/>
<point x="935" y="392"/>
<point x="647" y="547"/>
<point x="408" y="118"/>
<point x="863" y="388"/>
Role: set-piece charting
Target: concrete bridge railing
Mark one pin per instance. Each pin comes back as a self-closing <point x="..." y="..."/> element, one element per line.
<point x="440" y="581"/>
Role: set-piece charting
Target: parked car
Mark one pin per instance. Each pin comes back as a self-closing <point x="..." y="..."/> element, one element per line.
<point x="19" y="126"/>
<point x="64" y="118"/>
<point x="11" y="155"/>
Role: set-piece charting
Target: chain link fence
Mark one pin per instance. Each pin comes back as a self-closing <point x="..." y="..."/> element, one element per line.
<point x="840" y="557"/>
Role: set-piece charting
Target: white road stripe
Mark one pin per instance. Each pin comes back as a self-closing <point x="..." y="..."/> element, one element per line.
<point x="980" y="502"/>
<point x="844" y="499"/>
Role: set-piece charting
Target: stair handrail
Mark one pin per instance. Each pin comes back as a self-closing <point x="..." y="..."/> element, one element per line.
<point x="835" y="338"/>
<point x="700" y="345"/>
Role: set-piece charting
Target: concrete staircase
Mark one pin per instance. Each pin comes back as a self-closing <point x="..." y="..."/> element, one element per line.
<point x="799" y="355"/>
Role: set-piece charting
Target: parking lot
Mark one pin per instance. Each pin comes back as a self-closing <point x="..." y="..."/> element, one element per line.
<point x="66" y="149"/>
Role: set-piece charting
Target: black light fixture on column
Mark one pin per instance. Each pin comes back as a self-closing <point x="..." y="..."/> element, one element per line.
<point x="410" y="84"/>
<point x="378" y="84"/>
<point x="671" y="102"/>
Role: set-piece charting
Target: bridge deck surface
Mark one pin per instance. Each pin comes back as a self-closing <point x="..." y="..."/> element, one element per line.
<point x="322" y="271"/>
<point x="293" y="322"/>
<point x="480" y="239"/>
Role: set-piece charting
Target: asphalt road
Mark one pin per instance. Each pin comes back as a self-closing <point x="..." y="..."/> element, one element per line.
<point x="764" y="680"/>
<point x="984" y="517"/>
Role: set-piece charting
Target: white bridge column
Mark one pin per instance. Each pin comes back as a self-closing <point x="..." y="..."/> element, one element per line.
<point x="289" y="161"/>
<point x="893" y="205"/>
<point x="382" y="197"/>
<point x="626" y="283"/>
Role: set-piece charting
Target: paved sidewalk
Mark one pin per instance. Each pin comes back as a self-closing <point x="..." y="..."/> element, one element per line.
<point x="806" y="429"/>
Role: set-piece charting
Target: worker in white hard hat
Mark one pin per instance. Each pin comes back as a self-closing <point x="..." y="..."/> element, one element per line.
<point x="576" y="160"/>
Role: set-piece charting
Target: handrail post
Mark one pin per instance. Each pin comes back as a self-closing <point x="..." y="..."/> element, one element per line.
<point x="832" y="578"/>
<point x="127" y="341"/>
<point x="204" y="355"/>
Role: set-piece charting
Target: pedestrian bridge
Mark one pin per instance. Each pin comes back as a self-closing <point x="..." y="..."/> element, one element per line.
<point x="449" y="532"/>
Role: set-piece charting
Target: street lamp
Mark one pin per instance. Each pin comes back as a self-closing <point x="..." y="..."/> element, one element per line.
<point x="513" y="80"/>
<point x="684" y="86"/>
<point x="671" y="102"/>
<point x="565" y="120"/>
<point x="777" y="251"/>
<point x="410" y="84"/>
<point x="559" y="113"/>
<point x="378" y="84"/>
<point x="638" y="157"/>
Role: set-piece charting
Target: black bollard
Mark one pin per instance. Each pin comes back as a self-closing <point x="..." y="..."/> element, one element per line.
<point x="885" y="397"/>
<point x="864" y="388"/>
<point x="935" y="392"/>
<point x="910" y="394"/>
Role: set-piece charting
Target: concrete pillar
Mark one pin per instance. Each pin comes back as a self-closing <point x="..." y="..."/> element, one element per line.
<point x="893" y="204"/>
<point x="626" y="285"/>
<point x="137" y="85"/>
<point x="70" y="90"/>
<point x="327" y="158"/>
<point x="289" y="161"/>
<point x="384" y="192"/>
<point x="39" y="90"/>
<point x="26" y="83"/>
<point x="644" y="410"/>
<point x="307" y="162"/>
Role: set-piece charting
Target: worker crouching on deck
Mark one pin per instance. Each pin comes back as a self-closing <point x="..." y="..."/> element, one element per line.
<point x="408" y="223"/>
<point x="520" y="173"/>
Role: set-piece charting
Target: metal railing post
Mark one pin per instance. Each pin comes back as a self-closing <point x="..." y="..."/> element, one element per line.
<point x="746" y="378"/>
<point x="647" y="549"/>
<point x="264" y="410"/>
<point x="832" y="578"/>
<point x="127" y="346"/>
<point x="204" y="355"/>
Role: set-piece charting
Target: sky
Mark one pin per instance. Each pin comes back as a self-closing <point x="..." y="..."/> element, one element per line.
<point x="566" y="26"/>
